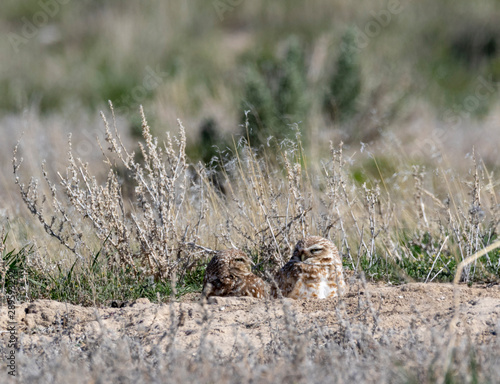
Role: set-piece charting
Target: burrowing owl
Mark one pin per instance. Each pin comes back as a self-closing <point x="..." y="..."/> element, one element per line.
<point x="229" y="273"/>
<point x="314" y="271"/>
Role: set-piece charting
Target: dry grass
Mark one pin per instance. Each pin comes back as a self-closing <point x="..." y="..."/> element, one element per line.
<point x="144" y="212"/>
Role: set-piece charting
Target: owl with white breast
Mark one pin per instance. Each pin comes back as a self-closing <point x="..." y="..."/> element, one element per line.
<point x="313" y="272"/>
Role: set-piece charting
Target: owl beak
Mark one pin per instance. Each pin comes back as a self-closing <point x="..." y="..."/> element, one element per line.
<point x="302" y="256"/>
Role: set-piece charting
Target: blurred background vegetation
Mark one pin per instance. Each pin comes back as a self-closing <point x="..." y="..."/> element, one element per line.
<point x="328" y="66"/>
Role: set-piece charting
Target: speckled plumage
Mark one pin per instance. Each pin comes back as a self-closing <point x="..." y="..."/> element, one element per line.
<point x="229" y="273"/>
<point x="314" y="271"/>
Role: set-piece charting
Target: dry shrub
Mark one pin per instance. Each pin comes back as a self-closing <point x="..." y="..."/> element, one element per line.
<point x="146" y="235"/>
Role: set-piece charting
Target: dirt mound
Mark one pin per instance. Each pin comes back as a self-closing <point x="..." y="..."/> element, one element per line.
<point x="227" y="322"/>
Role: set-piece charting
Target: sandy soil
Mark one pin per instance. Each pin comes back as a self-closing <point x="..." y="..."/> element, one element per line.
<point x="230" y="322"/>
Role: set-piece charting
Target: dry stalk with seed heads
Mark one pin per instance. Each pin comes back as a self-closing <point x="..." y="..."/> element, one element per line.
<point x="146" y="235"/>
<point x="265" y="211"/>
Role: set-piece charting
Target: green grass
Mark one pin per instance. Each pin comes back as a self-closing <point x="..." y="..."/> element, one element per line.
<point x="93" y="283"/>
<point x="96" y="283"/>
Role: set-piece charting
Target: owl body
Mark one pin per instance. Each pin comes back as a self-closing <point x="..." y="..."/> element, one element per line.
<point x="314" y="271"/>
<point x="229" y="273"/>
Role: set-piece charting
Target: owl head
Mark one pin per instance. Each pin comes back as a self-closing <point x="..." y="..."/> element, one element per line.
<point x="239" y="263"/>
<point x="314" y="250"/>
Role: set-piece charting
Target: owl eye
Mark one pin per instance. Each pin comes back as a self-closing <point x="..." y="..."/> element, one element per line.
<point x="240" y="259"/>
<point x="316" y="251"/>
